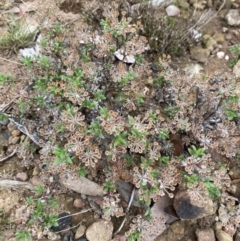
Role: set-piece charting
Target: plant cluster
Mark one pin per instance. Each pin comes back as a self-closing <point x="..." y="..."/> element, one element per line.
<point x="235" y="50"/>
<point x="92" y="111"/>
<point x="18" y="36"/>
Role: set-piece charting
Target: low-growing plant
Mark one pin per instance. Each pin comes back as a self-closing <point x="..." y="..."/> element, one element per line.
<point x="18" y="35"/>
<point x="23" y="235"/>
<point x="62" y="156"/>
<point x="39" y="190"/>
<point x="82" y="171"/>
<point x="141" y="123"/>
<point x="235" y="50"/>
<point x="5" y="78"/>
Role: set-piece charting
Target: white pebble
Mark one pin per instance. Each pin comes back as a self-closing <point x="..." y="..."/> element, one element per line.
<point x="226" y="57"/>
<point x="172" y="10"/>
<point x="220" y="54"/>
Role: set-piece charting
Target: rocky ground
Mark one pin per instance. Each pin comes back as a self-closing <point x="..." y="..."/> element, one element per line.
<point x="79" y="200"/>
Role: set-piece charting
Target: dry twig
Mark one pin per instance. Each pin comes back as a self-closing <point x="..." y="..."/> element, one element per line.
<point x="15" y="184"/>
<point x="12" y="154"/>
<point x="128" y="207"/>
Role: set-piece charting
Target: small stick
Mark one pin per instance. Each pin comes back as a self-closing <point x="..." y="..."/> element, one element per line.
<point x="128" y="207"/>
<point x="69" y="228"/>
<point x="12" y="154"/>
<point x="84" y="211"/>
<point x="14" y="62"/>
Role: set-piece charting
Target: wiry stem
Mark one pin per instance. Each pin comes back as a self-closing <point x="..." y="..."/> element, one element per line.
<point x="128" y="207"/>
<point x="10" y="155"/>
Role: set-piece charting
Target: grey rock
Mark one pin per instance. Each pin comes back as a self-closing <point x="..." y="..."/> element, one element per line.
<point x="187" y="208"/>
<point x="82" y="185"/>
<point x="233" y="17"/>
<point x="100" y="231"/>
<point x="205" y="234"/>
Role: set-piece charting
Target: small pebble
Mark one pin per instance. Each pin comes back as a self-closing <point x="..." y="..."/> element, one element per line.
<point x="172" y="10"/>
<point x="15" y="140"/>
<point x="22" y="137"/>
<point x="78" y="203"/>
<point x="36" y="180"/>
<point x="35" y="171"/>
<point x="10" y="139"/>
<point x="224" y="29"/>
<point x="83" y="196"/>
<point x="40" y="235"/>
<point x="16" y="133"/>
<point x="220" y="54"/>
<point x="22" y="176"/>
<point x="226" y="57"/>
<point x="235" y="5"/>
<point x="53" y="236"/>
<point x="69" y="200"/>
<point x="11" y="126"/>
<point x="80" y="231"/>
